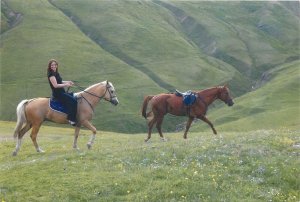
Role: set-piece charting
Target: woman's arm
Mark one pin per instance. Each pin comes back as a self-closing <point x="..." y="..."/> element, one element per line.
<point x="70" y="82"/>
<point x="56" y="85"/>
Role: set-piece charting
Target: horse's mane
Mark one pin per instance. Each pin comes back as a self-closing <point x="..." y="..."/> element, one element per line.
<point x="211" y="88"/>
<point x="92" y="86"/>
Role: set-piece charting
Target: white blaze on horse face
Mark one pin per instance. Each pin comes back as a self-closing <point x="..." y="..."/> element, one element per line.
<point x="112" y="94"/>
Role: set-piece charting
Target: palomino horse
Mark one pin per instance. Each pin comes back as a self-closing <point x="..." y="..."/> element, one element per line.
<point x="162" y="104"/>
<point x="32" y="113"/>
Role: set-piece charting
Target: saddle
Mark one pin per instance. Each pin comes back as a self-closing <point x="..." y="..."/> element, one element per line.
<point x="188" y="97"/>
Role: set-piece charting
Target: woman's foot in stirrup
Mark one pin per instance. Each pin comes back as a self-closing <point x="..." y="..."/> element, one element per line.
<point x="72" y="123"/>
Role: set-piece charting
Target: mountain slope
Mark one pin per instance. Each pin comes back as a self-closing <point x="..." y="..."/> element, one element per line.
<point x="251" y="36"/>
<point x="145" y="36"/>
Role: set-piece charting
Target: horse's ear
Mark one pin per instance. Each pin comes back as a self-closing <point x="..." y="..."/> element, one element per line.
<point x="107" y="82"/>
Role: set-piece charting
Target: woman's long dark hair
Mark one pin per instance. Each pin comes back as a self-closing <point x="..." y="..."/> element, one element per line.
<point x="49" y="66"/>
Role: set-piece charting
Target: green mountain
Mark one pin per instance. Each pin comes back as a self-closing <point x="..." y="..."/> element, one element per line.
<point x="148" y="47"/>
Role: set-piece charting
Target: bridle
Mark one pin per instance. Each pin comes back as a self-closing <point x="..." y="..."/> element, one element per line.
<point x="107" y="87"/>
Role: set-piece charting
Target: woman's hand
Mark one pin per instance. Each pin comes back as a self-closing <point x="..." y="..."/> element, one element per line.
<point x="68" y="83"/>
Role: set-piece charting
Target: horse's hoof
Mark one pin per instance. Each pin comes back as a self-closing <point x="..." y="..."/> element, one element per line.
<point x="76" y="148"/>
<point x="14" y="153"/>
<point x="89" y="146"/>
<point x="41" y="151"/>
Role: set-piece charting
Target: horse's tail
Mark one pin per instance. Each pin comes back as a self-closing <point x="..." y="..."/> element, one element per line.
<point x="21" y="117"/>
<point x="145" y="104"/>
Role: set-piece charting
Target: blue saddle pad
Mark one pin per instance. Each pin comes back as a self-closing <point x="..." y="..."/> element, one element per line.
<point x="189" y="99"/>
<point x="57" y="106"/>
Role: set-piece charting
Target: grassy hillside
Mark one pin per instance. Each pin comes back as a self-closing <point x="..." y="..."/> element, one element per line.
<point x="143" y="47"/>
<point x="251" y="36"/>
<point x="274" y="105"/>
<point x="237" y="166"/>
<point x="149" y="38"/>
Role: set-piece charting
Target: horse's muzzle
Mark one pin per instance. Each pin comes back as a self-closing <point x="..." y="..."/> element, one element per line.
<point x="230" y="102"/>
<point x="114" y="102"/>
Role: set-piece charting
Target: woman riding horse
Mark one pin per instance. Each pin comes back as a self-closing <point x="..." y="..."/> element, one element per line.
<point x="58" y="92"/>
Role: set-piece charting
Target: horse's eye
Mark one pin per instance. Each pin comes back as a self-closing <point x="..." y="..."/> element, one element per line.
<point x="112" y="91"/>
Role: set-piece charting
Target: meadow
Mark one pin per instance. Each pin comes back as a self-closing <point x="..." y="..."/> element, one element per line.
<point x="260" y="165"/>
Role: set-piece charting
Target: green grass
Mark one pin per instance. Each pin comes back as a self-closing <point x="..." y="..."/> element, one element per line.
<point x="260" y="165"/>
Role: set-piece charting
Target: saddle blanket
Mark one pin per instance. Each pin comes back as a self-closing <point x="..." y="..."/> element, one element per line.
<point x="57" y="106"/>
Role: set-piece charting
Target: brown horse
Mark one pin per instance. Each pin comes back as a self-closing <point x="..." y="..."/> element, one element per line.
<point x="32" y="113"/>
<point x="162" y="104"/>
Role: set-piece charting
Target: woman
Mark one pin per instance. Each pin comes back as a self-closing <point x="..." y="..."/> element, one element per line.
<point x="58" y="92"/>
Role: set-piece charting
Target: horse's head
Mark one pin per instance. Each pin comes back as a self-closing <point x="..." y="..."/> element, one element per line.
<point x="224" y="95"/>
<point x="111" y="95"/>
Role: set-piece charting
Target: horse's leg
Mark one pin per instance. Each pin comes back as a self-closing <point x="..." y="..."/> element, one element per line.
<point x="77" y="129"/>
<point x="203" y="118"/>
<point x="88" y="125"/>
<point x="150" y="125"/>
<point x="33" y="135"/>
<point x="158" y="126"/>
<point x="187" y="127"/>
<point x="20" y="136"/>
